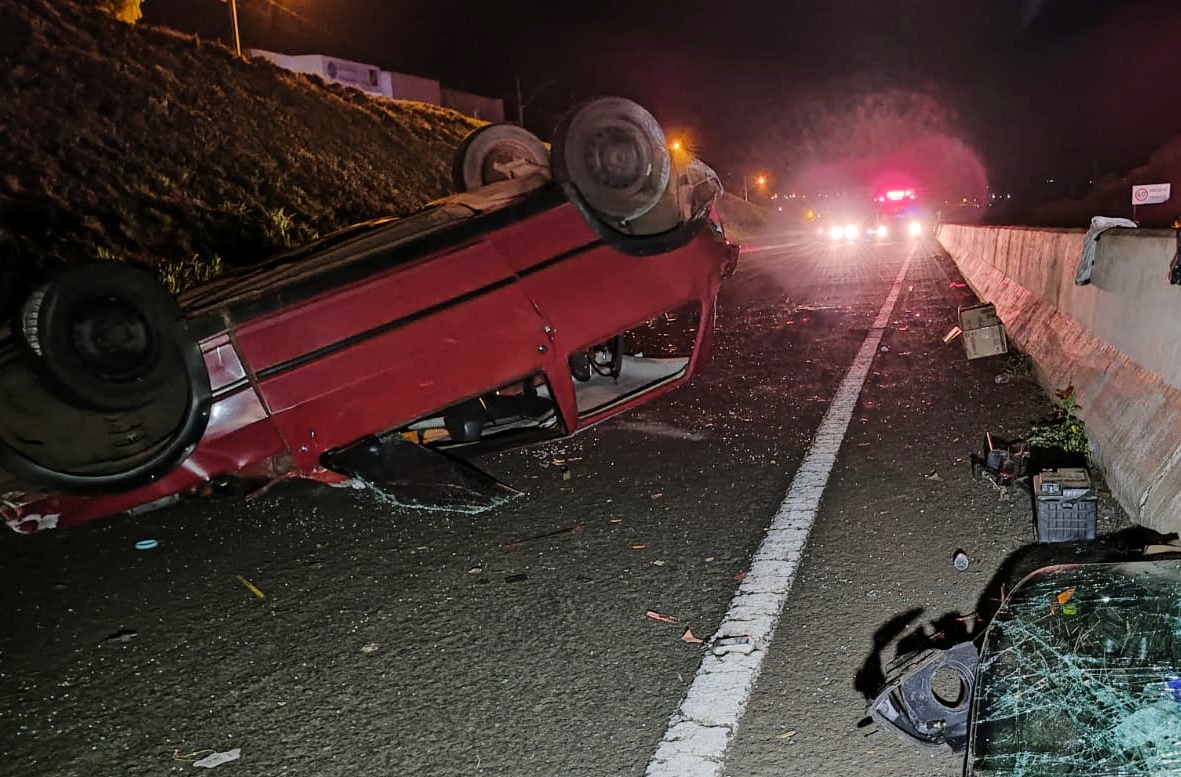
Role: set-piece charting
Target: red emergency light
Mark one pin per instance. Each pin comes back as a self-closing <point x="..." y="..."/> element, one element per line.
<point x="900" y="194"/>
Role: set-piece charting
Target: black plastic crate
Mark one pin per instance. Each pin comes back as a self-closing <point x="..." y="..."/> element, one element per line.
<point x="1065" y="506"/>
<point x="1066" y="520"/>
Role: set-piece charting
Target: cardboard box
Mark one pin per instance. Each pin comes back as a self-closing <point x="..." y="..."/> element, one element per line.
<point x="984" y="332"/>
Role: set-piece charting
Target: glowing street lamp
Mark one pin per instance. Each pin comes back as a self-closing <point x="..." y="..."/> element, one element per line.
<point x="760" y="180"/>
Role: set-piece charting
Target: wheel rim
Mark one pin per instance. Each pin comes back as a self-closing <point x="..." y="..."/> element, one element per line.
<point x="614" y="153"/>
<point x="112" y="339"/>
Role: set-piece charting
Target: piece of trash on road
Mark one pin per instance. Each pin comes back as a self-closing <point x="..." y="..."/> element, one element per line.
<point x="565" y="530"/>
<point x="960" y="560"/>
<point x="744" y="644"/>
<point x="217" y="759"/>
<point x="952" y="334"/>
<point x="958" y="285"/>
<point x="147" y="545"/>
<point x="251" y="587"/>
<point x="369" y="647"/>
<point x="659" y="616"/>
<point x="638" y="547"/>
<point x="933" y="476"/>
<point x="1004" y="377"/>
<point x="122" y="635"/>
<point x="885" y="349"/>
<point x="787" y="734"/>
<point x="691" y="638"/>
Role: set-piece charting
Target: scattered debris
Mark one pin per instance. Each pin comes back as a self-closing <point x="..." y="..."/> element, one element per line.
<point x="933" y="476"/>
<point x="787" y="734"/>
<point x="147" y="545"/>
<point x="475" y="571"/>
<point x="958" y="285"/>
<point x="565" y="472"/>
<point x="658" y="563"/>
<point x="1003" y="462"/>
<point x="251" y="587"/>
<point x="744" y="644"/>
<point x="984" y="332"/>
<point x="369" y="647"/>
<point x="1004" y="377"/>
<point x="657" y="495"/>
<point x="692" y="639"/>
<point x="960" y="560"/>
<point x="122" y="635"/>
<point x="554" y="533"/>
<point x="885" y="349"/>
<point x="904" y="328"/>
<point x="952" y="334"/>
<point x="190" y="757"/>
<point x="217" y="759"/>
<point x="638" y="547"/>
<point x="657" y="616"/>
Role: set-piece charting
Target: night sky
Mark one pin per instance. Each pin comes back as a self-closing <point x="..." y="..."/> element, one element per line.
<point x="1035" y="88"/>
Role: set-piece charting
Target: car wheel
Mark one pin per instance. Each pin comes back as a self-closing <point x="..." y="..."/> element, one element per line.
<point x="497" y="152"/>
<point x="106" y="336"/>
<point x="614" y="153"/>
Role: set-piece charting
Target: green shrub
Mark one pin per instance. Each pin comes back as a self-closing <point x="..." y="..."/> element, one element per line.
<point x="1063" y="429"/>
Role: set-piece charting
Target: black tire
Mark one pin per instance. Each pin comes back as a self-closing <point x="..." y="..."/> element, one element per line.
<point x="497" y="152"/>
<point x="106" y="336"/>
<point x="614" y="153"/>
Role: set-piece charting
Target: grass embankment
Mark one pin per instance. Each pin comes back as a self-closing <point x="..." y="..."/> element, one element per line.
<point x="151" y="147"/>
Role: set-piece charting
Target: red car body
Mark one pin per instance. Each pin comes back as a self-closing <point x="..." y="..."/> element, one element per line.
<point x="372" y="330"/>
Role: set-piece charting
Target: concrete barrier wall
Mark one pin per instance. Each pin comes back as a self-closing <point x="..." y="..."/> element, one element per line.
<point x="1117" y="341"/>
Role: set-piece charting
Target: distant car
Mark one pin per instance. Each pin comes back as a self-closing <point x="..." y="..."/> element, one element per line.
<point x="893" y="215"/>
<point x="559" y="288"/>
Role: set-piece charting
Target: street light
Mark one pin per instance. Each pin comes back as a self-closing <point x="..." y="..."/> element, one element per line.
<point x="760" y="180"/>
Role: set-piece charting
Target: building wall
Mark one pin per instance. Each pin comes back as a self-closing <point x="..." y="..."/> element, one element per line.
<point x="406" y="87"/>
<point x="384" y="83"/>
<point x="477" y="106"/>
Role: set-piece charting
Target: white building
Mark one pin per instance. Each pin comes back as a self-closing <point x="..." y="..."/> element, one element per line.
<point x="383" y="83"/>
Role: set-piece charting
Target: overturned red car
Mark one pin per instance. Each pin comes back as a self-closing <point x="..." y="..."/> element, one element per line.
<point x="559" y="287"/>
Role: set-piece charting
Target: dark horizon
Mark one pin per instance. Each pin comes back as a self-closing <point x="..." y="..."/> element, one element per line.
<point x="1040" y="89"/>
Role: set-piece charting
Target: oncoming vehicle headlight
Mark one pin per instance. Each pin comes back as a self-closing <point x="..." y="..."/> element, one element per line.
<point x="851" y="231"/>
<point x="915" y="228"/>
<point x="882" y="231"/>
<point x="837" y="233"/>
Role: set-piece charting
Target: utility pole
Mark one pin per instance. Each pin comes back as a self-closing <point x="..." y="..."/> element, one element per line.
<point x="520" y="104"/>
<point x="237" y="37"/>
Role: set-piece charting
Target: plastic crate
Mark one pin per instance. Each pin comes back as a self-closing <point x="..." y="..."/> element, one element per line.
<point x="1065" y="506"/>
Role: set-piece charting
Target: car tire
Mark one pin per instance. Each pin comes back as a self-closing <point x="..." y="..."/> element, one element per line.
<point x="105" y="336"/>
<point x="497" y="152"/>
<point x="614" y="153"/>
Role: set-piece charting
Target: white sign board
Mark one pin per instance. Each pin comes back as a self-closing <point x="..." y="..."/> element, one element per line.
<point x="1151" y="194"/>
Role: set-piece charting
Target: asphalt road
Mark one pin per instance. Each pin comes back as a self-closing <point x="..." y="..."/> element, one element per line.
<point x="389" y="641"/>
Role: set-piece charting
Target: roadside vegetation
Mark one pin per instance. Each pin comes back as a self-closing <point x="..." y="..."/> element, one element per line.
<point x="133" y="143"/>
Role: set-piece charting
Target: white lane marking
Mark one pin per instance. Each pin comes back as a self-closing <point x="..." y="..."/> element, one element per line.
<point x="701" y="729"/>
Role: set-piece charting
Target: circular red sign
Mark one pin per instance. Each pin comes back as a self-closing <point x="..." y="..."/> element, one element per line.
<point x="1140" y="194"/>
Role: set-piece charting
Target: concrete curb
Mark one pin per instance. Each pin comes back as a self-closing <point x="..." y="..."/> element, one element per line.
<point x="1132" y="413"/>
